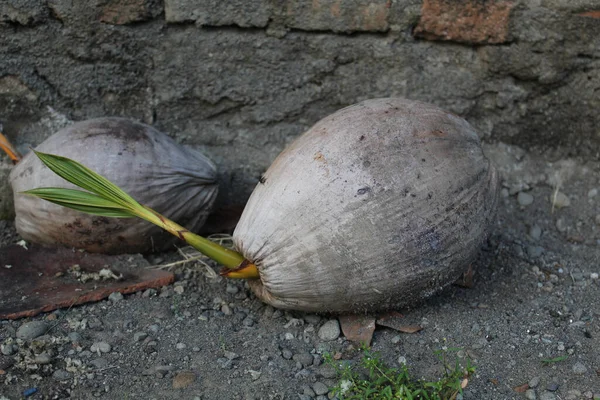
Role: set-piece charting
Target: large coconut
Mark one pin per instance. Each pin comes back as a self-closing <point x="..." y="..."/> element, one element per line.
<point x="176" y="180"/>
<point x="377" y="206"/>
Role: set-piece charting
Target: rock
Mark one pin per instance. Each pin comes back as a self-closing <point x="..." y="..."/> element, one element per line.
<point x="6" y="362"/>
<point x="561" y="225"/>
<point x="535" y="232"/>
<point x="101" y="347"/>
<point x="139" y="336"/>
<point x="230" y="355"/>
<point x="320" y="388"/>
<point x="530" y="394"/>
<point x="9" y="349"/>
<point x="306" y="359"/>
<point x="535" y="251"/>
<point x="579" y="368"/>
<point x="330" y="330"/>
<point x="287" y="354"/>
<point x="75" y="337"/>
<point x="547" y="396"/>
<point x="183" y="379"/>
<point x="180" y="346"/>
<point x="61" y="375"/>
<point x="597" y="219"/>
<point x="31" y="330"/>
<point x="115" y="297"/>
<point x="552" y="387"/>
<point x="592" y="193"/>
<point x="99" y="363"/>
<point x="42" y="359"/>
<point x="524" y="199"/>
<point x="534" y="382"/>
<point x="560" y="200"/>
<point x="594" y="276"/>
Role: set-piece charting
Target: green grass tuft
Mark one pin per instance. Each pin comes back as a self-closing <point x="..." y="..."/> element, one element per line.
<point x="371" y="379"/>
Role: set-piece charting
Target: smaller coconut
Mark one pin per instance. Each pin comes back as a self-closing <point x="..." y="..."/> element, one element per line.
<point x="175" y="180"/>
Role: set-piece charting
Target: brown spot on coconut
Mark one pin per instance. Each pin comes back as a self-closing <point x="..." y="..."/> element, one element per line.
<point x="160" y="173"/>
<point x="319" y="245"/>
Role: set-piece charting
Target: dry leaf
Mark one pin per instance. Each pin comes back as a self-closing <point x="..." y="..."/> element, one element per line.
<point x="358" y="328"/>
<point x="521" y="389"/>
<point x="464" y="383"/>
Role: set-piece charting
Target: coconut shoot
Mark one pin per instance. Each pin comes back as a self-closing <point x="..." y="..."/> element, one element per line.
<point x="104" y="198"/>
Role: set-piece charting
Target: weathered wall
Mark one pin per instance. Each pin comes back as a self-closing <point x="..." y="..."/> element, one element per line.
<point x="242" y="78"/>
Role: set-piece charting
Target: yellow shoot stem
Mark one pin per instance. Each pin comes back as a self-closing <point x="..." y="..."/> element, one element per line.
<point x="229" y="258"/>
<point x="9" y="149"/>
<point x="248" y="271"/>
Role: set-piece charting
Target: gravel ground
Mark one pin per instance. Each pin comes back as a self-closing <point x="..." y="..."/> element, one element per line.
<point x="535" y="297"/>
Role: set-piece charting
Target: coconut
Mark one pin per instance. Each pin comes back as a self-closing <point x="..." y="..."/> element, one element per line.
<point x="377" y="206"/>
<point x="152" y="167"/>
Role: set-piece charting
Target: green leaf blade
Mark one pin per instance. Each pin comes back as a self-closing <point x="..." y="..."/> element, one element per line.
<point x="81" y="201"/>
<point x="85" y="178"/>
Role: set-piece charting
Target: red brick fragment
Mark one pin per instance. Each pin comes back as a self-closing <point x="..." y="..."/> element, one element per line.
<point x="471" y="21"/>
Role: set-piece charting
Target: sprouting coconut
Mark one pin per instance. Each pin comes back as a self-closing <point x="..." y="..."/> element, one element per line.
<point x="143" y="161"/>
<point x="377" y="206"/>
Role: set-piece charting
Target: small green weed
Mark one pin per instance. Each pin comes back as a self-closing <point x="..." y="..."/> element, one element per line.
<point x="373" y="380"/>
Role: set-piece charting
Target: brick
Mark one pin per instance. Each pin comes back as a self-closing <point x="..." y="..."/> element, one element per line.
<point x="338" y="15"/>
<point x="121" y="12"/>
<point x="471" y="21"/>
<point x="242" y="13"/>
<point x="590" y="14"/>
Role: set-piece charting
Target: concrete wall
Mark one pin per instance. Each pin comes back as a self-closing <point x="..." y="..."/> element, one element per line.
<point x="241" y="78"/>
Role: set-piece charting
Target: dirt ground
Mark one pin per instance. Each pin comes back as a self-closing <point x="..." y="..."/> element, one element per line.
<point x="535" y="299"/>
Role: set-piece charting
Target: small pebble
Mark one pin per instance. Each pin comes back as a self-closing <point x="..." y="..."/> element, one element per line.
<point x="560" y="200"/>
<point x="320" y="388"/>
<point x="561" y="225"/>
<point x="547" y="396"/>
<point x="230" y="355"/>
<point x="579" y="368"/>
<point x="287" y="354"/>
<point x="31" y="330"/>
<point x="9" y="349"/>
<point x="180" y="346"/>
<point x="597" y="219"/>
<point x="535" y="232"/>
<point x="535" y="251"/>
<point x="552" y="387"/>
<point x="594" y="275"/>
<point x="232" y="289"/>
<point x="99" y="363"/>
<point x="306" y="359"/>
<point x="524" y="199"/>
<point x="225" y="309"/>
<point x="42" y="359"/>
<point x="101" y="347"/>
<point x="61" y="375"/>
<point x="115" y="297"/>
<point x="330" y="330"/>
<point x="592" y="193"/>
<point x="179" y="289"/>
<point x="139" y="336"/>
<point x="27" y="392"/>
<point x="396" y="339"/>
<point x="149" y="293"/>
<point x="530" y="394"/>
<point x="402" y="360"/>
<point x="248" y="322"/>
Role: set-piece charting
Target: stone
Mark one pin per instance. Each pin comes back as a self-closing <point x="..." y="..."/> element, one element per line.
<point x="579" y="368"/>
<point x="560" y="200"/>
<point x="530" y="394"/>
<point x="330" y="330"/>
<point x="42" y="359"/>
<point x="219" y="13"/>
<point x="467" y="21"/>
<point x="101" y="347"/>
<point x="524" y="199"/>
<point x="31" y="330"/>
<point x="115" y="297"/>
<point x="306" y="359"/>
<point x="320" y="388"/>
<point x="61" y="375"/>
<point x="337" y="16"/>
